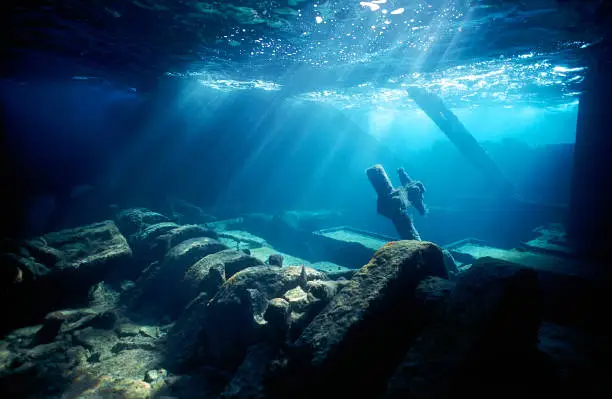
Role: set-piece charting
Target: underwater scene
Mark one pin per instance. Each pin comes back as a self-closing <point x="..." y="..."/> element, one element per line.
<point x="259" y="199"/>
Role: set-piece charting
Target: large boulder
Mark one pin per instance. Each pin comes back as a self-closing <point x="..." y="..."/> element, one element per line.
<point x="165" y="276"/>
<point x="209" y="273"/>
<point x="147" y="236"/>
<point x="81" y="249"/>
<point x="57" y="269"/>
<point x="482" y="343"/>
<point x="217" y="332"/>
<point x="84" y="255"/>
<point x="154" y="241"/>
<point x="371" y="321"/>
<point x="134" y="220"/>
<point x="185" y="232"/>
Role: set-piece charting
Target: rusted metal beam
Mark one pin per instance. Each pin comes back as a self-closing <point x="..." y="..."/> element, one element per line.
<point x="457" y="133"/>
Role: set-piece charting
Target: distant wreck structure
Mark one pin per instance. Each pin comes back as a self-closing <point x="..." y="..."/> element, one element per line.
<point x="458" y="134"/>
<point x="393" y="203"/>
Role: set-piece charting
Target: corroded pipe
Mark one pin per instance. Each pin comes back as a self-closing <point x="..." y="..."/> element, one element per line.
<point x="380" y="180"/>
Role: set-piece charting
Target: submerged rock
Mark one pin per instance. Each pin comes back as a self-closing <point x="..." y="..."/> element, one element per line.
<point x="82" y="249"/>
<point x="185" y="254"/>
<point x="209" y="273"/>
<point x="298" y="299"/>
<point x="371" y="321"/>
<point x="186" y="232"/>
<point x="491" y="317"/>
<point x="104" y="321"/>
<point x="135" y="220"/>
<point x="37" y="372"/>
<point x="154" y="375"/>
<point x="72" y="319"/>
<point x="79" y="353"/>
<point x="145" y="243"/>
<point x="156" y="240"/>
<point x="217" y="332"/>
<point x="166" y="275"/>
<point x="325" y="290"/>
<point x="128" y="363"/>
<point x="74" y="260"/>
<point x="275" y="260"/>
<point x="103" y="296"/>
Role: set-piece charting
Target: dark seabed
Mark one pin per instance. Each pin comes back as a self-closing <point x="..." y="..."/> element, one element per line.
<point x="305" y="199"/>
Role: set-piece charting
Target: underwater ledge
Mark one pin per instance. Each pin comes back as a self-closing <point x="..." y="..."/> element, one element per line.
<point x="152" y="306"/>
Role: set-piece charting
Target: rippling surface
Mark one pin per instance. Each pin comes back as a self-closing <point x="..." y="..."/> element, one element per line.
<point x="349" y="54"/>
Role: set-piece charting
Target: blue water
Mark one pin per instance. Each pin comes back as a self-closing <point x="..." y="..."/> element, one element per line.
<point x="269" y="105"/>
<point x="263" y="116"/>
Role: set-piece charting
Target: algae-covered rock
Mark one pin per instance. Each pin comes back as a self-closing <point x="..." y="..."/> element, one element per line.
<point x="324" y="290"/>
<point x="38" y="372"/>
<point x="272" y="281"/>
<point x="210" y="272"/>
<point x="145" y="242"/>
<point x="128" y="330"/>
<point x="185" y="232"/>
<point x="88" y="253"/>
<point x="371" y="321"/>
<point x="152" y="231"/>
<point x="298" y="299"/>
<point x="154" y="241"/>
<point x="491" y="317"/>
<point x="134" y="220"/>
<point x="75" y="259"/>
<point x="393" y="274"/>
<point x="72" y="319"/>
<point x="185" y="254"/>
<point x="166" y="275"/>
<point x="50" y="360"/>
<point x="45" y="254"/>
<point x="219" y="330"/>
<point x="130" y="363"/>
<point x="23" y="336"/>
